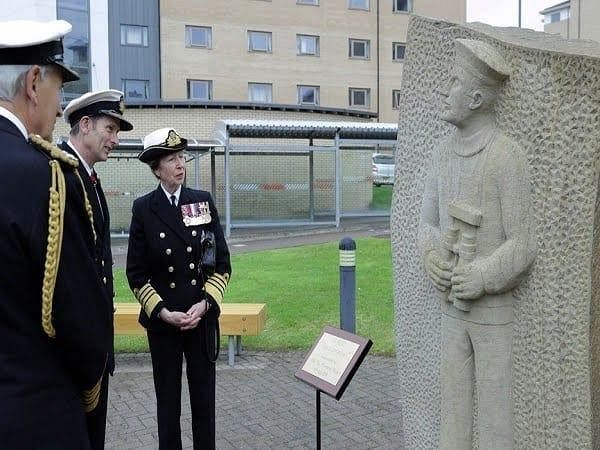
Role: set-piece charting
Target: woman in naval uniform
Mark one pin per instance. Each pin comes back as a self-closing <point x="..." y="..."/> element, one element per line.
<point x="178" y="268"/>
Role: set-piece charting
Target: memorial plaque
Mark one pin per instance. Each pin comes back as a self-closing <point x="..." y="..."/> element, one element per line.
<point x="333" y="360"/>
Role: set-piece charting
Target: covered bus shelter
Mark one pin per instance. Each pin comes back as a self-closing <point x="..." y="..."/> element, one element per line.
<point x="306" y="172"/>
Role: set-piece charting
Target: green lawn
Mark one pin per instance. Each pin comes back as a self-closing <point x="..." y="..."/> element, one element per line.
<point x="300" y="286"/>
<point x="382" y="197"/>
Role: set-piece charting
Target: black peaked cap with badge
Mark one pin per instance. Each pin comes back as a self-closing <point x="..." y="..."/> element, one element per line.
<point x="108" y="102"/>
<point x="161" y="142"/>
<point x="28" y="42"/>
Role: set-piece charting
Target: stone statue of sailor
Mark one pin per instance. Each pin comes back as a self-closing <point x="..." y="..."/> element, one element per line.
<point x="477" y="241"/>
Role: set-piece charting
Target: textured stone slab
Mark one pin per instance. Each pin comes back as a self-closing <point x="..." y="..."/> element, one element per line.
<point x="550" y="107"/>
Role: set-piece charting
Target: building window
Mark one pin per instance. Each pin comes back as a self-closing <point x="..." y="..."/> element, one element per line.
<point x="76" y="45"/>
<point x="135" y="35"/>
<point x="136" y="89"/>
<point x="358" y="4"/>
<point x="199" y="89"/>
<point x="360" y="97"/>
<point x="308" y="2"/>
<point x="402" y="5"/>
<point x="259" y="41"/>
<point x="308" y="95"/>
<point x="557" y="16"/>
<point x="396" y="98"/>
<point x="260" y="92"/>
<point x="398" y="51"/>
<point x="307" y="45"/>
<point x="198" y="36"/>
<point x="359" y="48"/>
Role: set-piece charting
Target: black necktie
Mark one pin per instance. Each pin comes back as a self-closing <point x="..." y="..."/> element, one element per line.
<point x="94" y="178"/>
<point x="173" y="201"/>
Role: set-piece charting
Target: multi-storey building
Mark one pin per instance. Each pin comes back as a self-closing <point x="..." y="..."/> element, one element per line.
<point x="341" y="54"/>
<point x="334" y="53"/>
<point x="191" y="63"/>
<point x="573" y="19"/>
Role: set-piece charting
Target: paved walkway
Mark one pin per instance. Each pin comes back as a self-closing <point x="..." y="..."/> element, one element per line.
<point x="261" y="405"/>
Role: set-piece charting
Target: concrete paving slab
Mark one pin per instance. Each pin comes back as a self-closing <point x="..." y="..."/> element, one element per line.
<point x="261" y="405"/>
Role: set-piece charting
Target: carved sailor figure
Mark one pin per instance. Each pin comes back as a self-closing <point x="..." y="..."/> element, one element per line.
<point x="477" y="240"/>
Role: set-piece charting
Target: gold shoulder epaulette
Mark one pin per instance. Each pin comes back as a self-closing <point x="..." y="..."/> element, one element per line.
<point x="53" y="150"/>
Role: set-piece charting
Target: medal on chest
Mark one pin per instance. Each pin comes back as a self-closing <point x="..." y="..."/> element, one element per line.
<point x="196" y="214"/>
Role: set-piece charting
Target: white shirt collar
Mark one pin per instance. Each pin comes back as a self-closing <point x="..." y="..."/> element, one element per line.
<point x="15" y="120"/>
<point x="81" y="160"/>
<point x="177" y="193"/>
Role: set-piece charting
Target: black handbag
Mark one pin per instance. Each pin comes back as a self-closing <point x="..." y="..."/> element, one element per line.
<point x="208" y="262"/>
<point x="208" y="252"/>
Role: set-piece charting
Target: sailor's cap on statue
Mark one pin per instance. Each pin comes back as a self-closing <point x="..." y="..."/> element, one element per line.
<point x="481" y="60"/>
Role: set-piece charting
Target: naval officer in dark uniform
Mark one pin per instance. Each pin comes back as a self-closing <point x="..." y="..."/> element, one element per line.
<point x="178" y="268"/>
<point x="53" y="318"/>
<point x="96" y="119"/>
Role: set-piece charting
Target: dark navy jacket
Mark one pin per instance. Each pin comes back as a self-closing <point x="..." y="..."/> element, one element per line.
<point x="164" y="255"/>
<point x="103" y="253"/>
<point x="42" y="378"/>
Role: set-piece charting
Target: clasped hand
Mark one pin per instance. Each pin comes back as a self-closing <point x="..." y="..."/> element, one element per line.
<point x="185" y="320"/>
<point x="466" y="281"/>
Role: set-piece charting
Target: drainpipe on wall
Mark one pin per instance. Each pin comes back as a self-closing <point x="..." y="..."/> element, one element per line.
<point x="378" y="92"/>
<point x="579" y="19"/>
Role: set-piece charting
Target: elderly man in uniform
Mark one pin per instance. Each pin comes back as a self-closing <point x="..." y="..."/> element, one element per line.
<point x="96" y="118"/>
<point x="477" y="239"/>
<point x="53" y="318"/>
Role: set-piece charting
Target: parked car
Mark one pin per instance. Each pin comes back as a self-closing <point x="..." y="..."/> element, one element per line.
<point x="383" y="169"/>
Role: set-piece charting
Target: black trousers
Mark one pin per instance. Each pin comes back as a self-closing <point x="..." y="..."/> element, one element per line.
<point x="96" y="420"/>
<point x="167" y="351"/>
<point x="63" y="427"/>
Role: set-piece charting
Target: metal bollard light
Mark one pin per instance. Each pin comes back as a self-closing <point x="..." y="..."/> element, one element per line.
<point x="348" y="284"/>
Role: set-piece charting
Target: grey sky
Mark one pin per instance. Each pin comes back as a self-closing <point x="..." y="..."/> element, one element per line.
<point x="504" y="12"/>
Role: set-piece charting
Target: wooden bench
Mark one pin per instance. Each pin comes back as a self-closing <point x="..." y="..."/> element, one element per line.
<point x="236" y="320"/>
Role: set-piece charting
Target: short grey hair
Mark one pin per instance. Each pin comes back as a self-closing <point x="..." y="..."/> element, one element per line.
<point x="12" y="79"/>
<point x="76" y="128"/>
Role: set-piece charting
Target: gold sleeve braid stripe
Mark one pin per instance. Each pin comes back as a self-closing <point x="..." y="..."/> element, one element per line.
<point x="215" y="286"/>
<point x="148" y="298"/>
<point x="91" y="397"/>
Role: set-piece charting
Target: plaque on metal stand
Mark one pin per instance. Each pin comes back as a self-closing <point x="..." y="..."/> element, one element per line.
<point x="330" y="365"/>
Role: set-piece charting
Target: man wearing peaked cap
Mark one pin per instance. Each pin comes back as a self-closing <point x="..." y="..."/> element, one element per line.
<point x="95" y="104"/>
<point x="477" y="241"/>
<point x="178" y="268"/>
<point x="53" y="339"/>
<point x="96" y="118"/>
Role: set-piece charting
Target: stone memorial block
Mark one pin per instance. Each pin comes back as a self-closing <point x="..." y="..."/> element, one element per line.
<point x="550" y="107"/>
